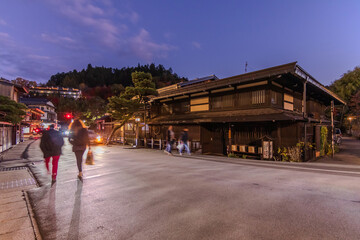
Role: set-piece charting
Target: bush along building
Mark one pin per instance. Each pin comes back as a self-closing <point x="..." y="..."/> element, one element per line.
<point x="272" y="113"/>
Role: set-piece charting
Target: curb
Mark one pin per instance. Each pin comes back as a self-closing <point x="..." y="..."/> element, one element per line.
<point x="32" y="217"/>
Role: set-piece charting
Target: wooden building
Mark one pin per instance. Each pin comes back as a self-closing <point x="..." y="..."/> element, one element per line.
<point x="10" y="134"/>
<point x="284" y="103"/>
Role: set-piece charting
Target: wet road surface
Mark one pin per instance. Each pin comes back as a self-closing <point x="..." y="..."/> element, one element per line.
<point x="145" y="194"/>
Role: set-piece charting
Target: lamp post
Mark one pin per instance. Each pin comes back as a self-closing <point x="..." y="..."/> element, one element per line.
<point x="137" y="120"/>
<point x="350" y="118"/>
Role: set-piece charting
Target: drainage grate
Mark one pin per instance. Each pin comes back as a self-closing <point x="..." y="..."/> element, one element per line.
<point x="12" y="169"/>
<point x="17" y="183"/>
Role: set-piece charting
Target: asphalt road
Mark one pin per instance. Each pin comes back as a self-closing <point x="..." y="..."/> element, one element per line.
<point x="146" y="194"/>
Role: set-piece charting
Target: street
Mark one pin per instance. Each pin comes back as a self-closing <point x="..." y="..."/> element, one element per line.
<point x="146" y="194"/>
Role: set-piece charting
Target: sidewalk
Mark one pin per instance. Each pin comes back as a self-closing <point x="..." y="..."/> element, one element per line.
<point x="16" y="216"/>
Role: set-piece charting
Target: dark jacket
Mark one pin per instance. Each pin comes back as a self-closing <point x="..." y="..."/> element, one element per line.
<point x="51" y="143"/>
<point x="170" y="136"/>
<point x="184" y="137"/>
<point x="80" y="140"/>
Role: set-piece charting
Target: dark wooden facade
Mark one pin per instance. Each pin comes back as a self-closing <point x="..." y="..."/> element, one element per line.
<point x="240" y="110"/>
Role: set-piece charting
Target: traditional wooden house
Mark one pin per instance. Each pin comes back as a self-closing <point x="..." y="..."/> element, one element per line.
<point x="283" y="103"/>
<point x="10" y="134"/>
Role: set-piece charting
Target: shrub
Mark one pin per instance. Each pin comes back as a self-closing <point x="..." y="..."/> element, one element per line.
<point x="233" y="155"/>
<point x="295" y="154"/>
<point x="323" y="140"/>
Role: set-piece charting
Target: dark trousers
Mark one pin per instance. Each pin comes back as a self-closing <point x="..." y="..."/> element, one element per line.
<point x="79" y="156"/>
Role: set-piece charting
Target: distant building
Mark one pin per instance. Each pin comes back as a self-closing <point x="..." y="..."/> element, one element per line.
<point x="49" y="116"/>
<point x="32" y="120"/>
<point x="64" y="92"/>
<point x="11" y="90"/>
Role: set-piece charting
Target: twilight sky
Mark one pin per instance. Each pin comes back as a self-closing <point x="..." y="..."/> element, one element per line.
<point x="196" y="38"/>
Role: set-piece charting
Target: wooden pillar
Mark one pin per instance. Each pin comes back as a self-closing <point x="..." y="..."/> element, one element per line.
<point x="123" y="134"/>
<point x="332" y="128"/>
<point x="305" y="116"/>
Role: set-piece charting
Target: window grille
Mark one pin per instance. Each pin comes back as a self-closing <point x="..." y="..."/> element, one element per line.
<point x="258" y="97"/>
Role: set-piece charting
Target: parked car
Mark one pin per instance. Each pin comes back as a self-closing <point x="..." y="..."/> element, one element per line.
<point x="338" y="136"/>
<point x="94" y="137"/>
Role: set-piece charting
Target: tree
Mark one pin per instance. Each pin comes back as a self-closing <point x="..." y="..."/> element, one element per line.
<point x="93" y="108"/>
<point x="94" y="76"/>
<point x="347" y="85"/>
<point x="24" y="83"/>
<point x="132" y="100"/>
<point x="12" y="111"/>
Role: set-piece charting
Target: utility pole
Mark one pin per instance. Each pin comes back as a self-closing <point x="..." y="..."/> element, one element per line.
<point x="246" y="64"/>
<point x="332" y="128"/>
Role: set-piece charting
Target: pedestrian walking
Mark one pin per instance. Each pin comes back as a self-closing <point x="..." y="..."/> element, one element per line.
<point x="170" y="139"/>
<point x="79" y="138"/>
<point x="50" y="144"/>
<point x="184" y="138"/>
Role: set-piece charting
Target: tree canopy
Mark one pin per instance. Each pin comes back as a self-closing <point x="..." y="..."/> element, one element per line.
<point x="102" y="76"/>
<point x="348" y="85"/>
<point x="132" y="100"/>
<point x="11" y="111"/>
<point x="24" y="82"/>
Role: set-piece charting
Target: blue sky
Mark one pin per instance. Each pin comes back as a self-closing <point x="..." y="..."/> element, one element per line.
<point x="39" y="38"/>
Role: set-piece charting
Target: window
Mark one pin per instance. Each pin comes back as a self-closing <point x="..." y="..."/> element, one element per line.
<point x="297" y="105"/>
<point x="180" y="107"/>
<point x="276" y="98"/>
<point x="288" y="102"/>
<point x="244" y="99"/>
<point x="258" y="97"/>
<point x="199" y="104"/>
<point x="166" y="109"/>
<point x="220" y="102"/>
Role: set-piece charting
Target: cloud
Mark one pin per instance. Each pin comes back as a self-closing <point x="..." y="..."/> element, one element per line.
<point x="132" y="16"/>
<point x="4" y="35"/>
<point x="62" y="41"/>
<point x="38" y="57"/>
<point x="108" y="27"/>
<point x="18" y="61"/>
<point x="2" y="22"/>
<point x="93" y="17"/>
<point x="196" y="44"/>
<point x="143" y="47"/>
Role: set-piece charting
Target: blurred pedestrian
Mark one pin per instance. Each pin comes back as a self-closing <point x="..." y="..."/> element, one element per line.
<point x="170" y="139"/>
<point x="79" y="138"/>
<point x="50" y="144"/>
<point x="184" y="138"/>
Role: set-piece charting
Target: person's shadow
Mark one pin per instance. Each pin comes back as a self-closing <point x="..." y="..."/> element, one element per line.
<point x="75" y="218"/>
<point x="51" y="208"/>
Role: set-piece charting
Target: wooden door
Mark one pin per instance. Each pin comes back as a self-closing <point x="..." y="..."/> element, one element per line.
<point x="213" y="139"/>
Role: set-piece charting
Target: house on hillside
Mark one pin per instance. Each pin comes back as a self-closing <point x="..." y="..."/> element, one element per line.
<point x="283" y="103"/>
<point x="49" y="115"/>
<point x="60" y="91"/>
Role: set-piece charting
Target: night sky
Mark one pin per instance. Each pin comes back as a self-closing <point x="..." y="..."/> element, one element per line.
<point x="39" y="38"/>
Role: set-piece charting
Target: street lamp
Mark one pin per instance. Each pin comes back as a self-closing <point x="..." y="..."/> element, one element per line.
<point x="350" y="118"/>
